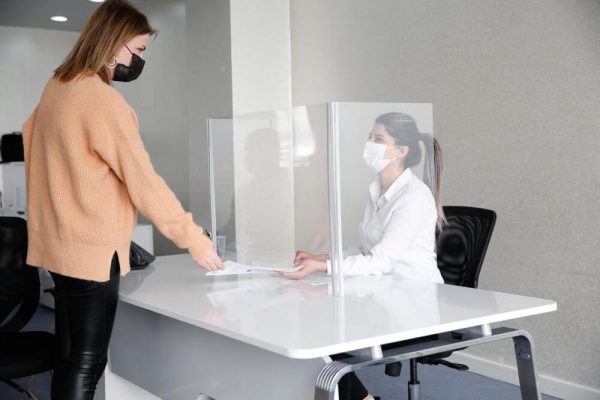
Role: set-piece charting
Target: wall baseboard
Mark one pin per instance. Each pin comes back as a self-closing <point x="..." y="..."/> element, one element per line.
<point x="548" y="385"/>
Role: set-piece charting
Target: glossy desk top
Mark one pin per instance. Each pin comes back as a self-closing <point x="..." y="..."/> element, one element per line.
<point x="300" y="319"/>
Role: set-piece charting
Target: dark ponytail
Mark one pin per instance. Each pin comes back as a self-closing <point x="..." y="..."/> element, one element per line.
<point x="403" y="128"/>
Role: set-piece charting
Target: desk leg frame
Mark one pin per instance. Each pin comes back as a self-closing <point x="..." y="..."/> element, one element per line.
<point x="331" y="374"/>
<point x="526" y="368"/>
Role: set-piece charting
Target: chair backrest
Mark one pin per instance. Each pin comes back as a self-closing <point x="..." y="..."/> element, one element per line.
<point x="462" y="244"/>
<point x="19" y="283"/>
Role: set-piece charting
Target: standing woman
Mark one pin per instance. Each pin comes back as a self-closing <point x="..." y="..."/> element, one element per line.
<point x="87" y="173"/>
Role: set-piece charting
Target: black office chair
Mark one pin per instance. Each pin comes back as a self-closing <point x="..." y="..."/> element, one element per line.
<point x="21" y="353"/>
<point x="461" y="247"/>
<point x="462" y="244"/>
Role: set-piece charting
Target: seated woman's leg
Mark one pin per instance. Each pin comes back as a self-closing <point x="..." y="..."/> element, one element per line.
<point x="351" y="388"/>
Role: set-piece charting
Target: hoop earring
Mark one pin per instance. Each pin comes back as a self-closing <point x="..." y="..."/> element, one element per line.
<point x="112" y="64"/>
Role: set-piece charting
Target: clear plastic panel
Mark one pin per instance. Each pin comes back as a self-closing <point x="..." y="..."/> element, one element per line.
<point x="274" y="178"/>
<point x="220" y="143"/>
<point x="269" y="188"/>
<point x="408" y="125"/>
<point x="310" y="179"/>
<point x="356" y="122"/>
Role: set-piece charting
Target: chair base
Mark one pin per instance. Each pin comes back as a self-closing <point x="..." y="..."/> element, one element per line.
<point x="414" y="391"/>
<point x="456" y="366"/>
<point x="26" y="353"/>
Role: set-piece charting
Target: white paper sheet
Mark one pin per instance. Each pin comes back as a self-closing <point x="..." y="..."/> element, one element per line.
<point x="234" y="268"/>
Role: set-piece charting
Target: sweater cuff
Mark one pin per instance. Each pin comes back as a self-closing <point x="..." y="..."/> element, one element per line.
<point x="199" y="249"/>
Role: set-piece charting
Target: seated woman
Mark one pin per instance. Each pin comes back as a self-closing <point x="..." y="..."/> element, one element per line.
<point x="398" y="230"/>
<point x="397" y="234"/>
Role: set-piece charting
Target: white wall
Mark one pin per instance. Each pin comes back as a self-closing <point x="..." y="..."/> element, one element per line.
<point x="260" y="55"/>
<point x="209" y="91"/>
<point x="263" y="168"/>
<point x="29" y="57"/>
<point x="514" y="86"/>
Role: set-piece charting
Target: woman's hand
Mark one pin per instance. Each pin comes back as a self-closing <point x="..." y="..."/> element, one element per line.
<point x="304" y="255"/>
<point x="210" y="261"/>
<point x="307" y="267"/>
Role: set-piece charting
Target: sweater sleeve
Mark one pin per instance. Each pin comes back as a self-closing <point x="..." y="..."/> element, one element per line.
<point x="117" y="141"/>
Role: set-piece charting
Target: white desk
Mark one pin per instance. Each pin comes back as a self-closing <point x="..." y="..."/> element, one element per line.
<point x="179" y="333"/>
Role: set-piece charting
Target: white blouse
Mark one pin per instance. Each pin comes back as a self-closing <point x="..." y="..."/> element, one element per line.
<point x="398" y="232"/>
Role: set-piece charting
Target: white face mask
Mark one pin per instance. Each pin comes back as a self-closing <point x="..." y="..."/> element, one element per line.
<point x="374" y="155"/>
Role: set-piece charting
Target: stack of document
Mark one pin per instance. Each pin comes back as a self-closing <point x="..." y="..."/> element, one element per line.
<point x="234" y="268"/>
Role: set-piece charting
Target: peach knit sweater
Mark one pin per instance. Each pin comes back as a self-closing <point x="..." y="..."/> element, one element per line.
<point x="87" y="172"/>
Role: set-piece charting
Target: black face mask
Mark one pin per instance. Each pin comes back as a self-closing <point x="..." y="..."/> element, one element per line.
<point x="124" y="73"/>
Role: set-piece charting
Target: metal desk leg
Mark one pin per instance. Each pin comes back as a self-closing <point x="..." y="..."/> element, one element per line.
<point x="331" y="374"/>
<point x="328" y="379"/>
<point x="526" y="368"/>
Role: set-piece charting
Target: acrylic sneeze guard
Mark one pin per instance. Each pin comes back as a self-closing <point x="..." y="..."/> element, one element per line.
<point x="282" y="181"/>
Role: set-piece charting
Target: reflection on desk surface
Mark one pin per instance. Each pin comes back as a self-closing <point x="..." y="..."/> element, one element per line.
<point x="301" y="319"/>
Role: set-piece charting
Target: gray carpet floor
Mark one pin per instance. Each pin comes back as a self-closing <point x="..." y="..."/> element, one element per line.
<point x="440" y="383"/>
<point x="437" y="382"/>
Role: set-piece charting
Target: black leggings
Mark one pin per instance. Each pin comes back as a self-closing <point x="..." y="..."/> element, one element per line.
<point x="84" y="314"/>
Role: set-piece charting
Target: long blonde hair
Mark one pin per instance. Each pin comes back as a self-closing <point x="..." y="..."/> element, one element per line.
<point x="114" y="23"/>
